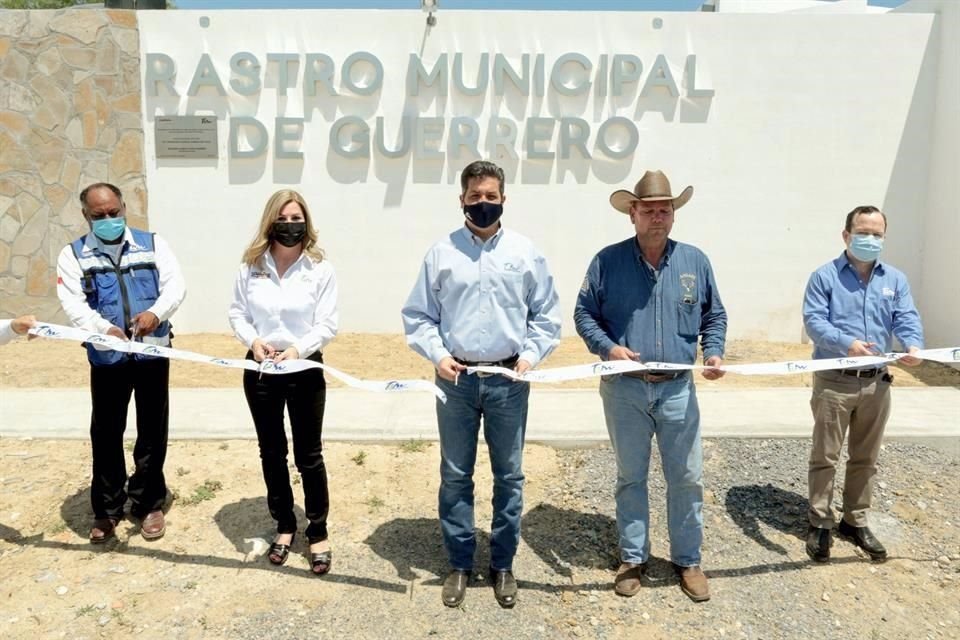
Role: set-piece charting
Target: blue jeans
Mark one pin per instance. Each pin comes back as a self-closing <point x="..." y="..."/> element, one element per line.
<point x="635" y="410"/>
<point x="503" y="405"/>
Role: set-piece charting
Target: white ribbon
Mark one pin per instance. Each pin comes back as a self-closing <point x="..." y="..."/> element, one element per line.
<point x="611" y="367"/>
<point x="557" y="374"/>
<point x="103" y="341"/>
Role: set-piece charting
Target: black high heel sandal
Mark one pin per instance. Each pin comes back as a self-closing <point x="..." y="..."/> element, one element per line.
<point x="320" y="562"/>
<point x="280" y="551"/>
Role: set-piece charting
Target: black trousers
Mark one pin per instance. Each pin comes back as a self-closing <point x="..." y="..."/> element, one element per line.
<point x="110" y="389"/>
<point x="304" y="394"/>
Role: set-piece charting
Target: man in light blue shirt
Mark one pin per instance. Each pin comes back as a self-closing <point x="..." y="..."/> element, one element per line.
<point x="649" y="298"/>
<point x="484" y="296"/>
<point x="853" y="306"/>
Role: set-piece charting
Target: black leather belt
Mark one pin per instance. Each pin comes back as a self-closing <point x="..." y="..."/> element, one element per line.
<point x="660" y="376"/>
<point x="863" y="373"/>
<point x="506" y="362"/>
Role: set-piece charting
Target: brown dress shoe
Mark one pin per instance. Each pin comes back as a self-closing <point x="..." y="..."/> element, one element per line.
<point x="627" y="582"/>
<point x="102" y="530"/>
<point x="693" y="582"/>
<point x="153" y="525"/>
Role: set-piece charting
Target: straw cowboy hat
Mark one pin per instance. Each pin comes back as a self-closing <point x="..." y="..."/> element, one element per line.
<point x="653" y="187"/>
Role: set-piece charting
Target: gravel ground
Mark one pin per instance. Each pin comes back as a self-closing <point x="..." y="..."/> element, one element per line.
<point x="208" y="578"/>
<point x="755" y="516"/>
<point x="763" y="584"/>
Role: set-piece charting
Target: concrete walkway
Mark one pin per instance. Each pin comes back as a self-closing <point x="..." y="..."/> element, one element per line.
<point x="559" y="417"/>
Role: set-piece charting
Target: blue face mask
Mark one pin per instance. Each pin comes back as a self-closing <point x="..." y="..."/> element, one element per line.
<point x="109" y="229"/>
<point x="865" y="247"/>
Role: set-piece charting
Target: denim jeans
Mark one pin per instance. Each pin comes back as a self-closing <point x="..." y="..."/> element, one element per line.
<point x="502" y="403"/>
<point x="635" y="411"/>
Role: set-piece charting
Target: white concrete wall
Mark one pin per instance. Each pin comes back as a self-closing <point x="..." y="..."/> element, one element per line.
<point x="938" y="127"/>
<point x="806" y="123"/>
<point x="786" y="6"/>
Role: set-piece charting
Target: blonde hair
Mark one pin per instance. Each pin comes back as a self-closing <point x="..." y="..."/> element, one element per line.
<point x="261" y="241"/>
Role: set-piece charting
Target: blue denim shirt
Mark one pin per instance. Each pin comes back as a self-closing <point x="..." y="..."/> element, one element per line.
<point x="656" y="315"/>
<point x="839" y="308"/>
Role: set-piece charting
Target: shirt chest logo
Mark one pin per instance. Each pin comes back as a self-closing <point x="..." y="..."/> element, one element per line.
<point x="510" y="267"/>
<point x="257" y="275"/>
<point x="688" y="283"/>
<point x="888" y="292"/>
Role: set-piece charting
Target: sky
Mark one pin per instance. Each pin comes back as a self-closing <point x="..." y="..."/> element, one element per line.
<point x="528" y="5"/>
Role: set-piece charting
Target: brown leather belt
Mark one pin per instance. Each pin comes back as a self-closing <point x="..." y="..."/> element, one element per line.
<point x="647" y="376"/>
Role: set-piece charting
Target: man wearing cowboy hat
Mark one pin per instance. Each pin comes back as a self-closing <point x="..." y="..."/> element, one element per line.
<point x="649" y="298"/>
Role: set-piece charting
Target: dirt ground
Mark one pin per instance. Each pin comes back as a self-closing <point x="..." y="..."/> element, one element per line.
<point x="208" y="577"/>
<point x="55" y="363"/>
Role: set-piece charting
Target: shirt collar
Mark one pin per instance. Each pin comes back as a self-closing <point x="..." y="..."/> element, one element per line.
<point x="475" y="240"/>
<point x="271" y="264"/>
<point x="667" y="252"/>
<point x="844" y="262"/>
<point x="93" y="243"/>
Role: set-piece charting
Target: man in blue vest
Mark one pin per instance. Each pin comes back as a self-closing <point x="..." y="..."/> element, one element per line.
<point x="126" y="283"/>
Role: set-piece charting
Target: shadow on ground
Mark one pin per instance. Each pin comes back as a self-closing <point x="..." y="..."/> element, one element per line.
<point x="242" y="521"/>
<point x="565" y="539"/>
<point x="749" y="505"/>
<point x="416" y="543"/>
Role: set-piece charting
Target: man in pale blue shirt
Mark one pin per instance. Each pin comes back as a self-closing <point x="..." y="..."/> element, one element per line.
<point x="649" y="298"/>
<point x="484" y="296"/>
<point x="853" y="306"/>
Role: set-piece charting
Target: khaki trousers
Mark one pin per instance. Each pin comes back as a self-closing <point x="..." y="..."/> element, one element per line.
<point x="842" y="403"/>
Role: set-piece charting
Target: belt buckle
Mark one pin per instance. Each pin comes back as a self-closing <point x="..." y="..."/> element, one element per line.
<point x="484" y="374"/>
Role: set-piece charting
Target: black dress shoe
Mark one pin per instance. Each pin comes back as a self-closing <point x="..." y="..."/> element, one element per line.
<point x="504" y="587"/>
<point x="818" y="543"/>
<point x="863" y="538"/>
<point x="455" y="588"/>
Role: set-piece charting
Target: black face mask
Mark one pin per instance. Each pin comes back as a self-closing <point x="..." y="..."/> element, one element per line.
<point x="483" y="214"/>
<point x="289" y="234"/>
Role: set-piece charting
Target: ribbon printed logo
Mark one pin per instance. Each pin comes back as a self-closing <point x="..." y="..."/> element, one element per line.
<point x="557" y="374"/>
